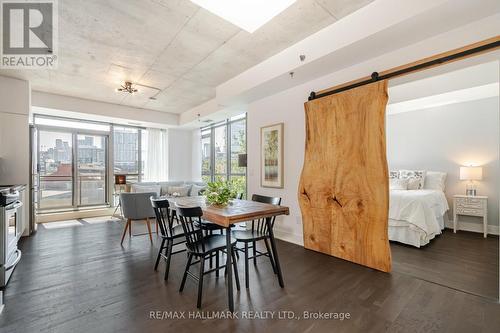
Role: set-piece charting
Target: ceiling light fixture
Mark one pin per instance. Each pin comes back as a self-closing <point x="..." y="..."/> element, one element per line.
<point x="249" y="15"/>
<point x="127" y="88"/>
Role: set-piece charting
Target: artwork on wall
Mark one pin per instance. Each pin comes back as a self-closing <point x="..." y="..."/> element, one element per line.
<point x="271" y="156"/>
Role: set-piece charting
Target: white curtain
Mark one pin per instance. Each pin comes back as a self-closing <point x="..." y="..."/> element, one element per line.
<point x="156" y="161"/>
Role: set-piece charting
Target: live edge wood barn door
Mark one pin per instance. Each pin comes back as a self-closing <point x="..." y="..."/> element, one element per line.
<point x="344" y="190"/>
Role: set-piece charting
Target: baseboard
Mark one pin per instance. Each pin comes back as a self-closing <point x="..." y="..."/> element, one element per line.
<point x="473" y="227"/>
<point x="289" y="237"/>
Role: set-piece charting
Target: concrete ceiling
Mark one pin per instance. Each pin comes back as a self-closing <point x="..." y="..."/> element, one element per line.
<point x="172" y="45"/>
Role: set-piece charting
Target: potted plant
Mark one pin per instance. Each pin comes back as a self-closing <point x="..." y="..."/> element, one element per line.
<point x="219" y="193"/>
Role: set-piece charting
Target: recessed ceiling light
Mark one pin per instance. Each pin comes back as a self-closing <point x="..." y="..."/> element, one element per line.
<point x="249" y="15"/>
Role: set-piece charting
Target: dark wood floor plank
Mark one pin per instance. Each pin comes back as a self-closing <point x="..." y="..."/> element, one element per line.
<point x="465" y="261"/>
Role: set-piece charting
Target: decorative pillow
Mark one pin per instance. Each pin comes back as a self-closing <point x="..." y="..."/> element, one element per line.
<point x="181" y="191"/>
<point x="393" y="174"/>
<point x="416" y="178"/>
<point x="398" y="184"/>
<point x="434" y="180"/>
<point x="137" y="188"/>
<point x="195" y="190"/>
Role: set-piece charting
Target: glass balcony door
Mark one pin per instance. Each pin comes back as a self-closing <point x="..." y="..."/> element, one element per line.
<point x="72" y="168"/>
<point x="91" y="157"/>
<point x="55" y="169"/>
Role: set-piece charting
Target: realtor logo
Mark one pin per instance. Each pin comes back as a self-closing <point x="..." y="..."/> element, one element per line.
<point x="29" y="34"/>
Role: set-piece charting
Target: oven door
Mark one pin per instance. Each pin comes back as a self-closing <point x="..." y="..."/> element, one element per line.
<point x="13" y="215"/>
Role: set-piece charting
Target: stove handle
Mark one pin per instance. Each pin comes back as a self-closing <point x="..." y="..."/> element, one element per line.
<point x="19" y="253"/>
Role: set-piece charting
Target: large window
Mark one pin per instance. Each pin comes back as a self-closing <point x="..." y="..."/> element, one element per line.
<point x="72" y="163"/>
<point x="73" y="159"/>
<point x="129" y="149"/>
<point x="221" y="145"/>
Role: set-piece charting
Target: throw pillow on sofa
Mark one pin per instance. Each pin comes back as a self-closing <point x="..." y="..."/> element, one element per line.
<point x="182" y="191"/>
<point x="195" y="190"/>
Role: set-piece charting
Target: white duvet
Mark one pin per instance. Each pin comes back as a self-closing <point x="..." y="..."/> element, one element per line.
<point x="420" y="210"/>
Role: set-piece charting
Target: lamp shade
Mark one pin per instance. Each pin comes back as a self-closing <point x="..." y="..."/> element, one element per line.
<point x="120" y="179"/>
<point x="471" y="173"/>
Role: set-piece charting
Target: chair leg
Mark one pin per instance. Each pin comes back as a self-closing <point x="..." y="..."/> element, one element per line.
<point x="188" y="263"/>
<point x="269" y="253"/>
<point x="130" y="229"/>
<point x="149" y="230"/>
<point x="235" y="267"/>
<point x="247" y="283"/>
<point x="254" y="253"/>
<point x="159" y="253"/>
<point x="200" y="281"/>
<point x="170" y="244"/>
<point x="125" y="230"/>
<point x="217" y="263"/>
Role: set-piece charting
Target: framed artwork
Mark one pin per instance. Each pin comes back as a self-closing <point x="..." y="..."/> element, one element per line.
<point x="271" y="156"/>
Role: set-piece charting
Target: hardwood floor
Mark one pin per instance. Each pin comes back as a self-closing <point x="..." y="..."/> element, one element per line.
<point x="465" y="261"/>
<point x="79" y="279"/>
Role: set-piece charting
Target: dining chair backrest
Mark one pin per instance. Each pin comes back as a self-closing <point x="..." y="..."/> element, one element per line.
<point x="261" y="224"/>
<point x="194" y="235"/>
<point x="137" y="206"/>
<point x="161" y="207"/>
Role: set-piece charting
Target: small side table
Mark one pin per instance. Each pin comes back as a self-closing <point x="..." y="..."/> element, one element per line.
<point x="119" y="188"/>
<point x="470" y="206"/>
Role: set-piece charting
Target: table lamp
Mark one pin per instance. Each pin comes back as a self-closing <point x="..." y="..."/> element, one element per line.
<point x="471" y="174"/>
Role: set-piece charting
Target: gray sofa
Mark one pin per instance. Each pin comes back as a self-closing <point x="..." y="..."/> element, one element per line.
<point x="165" y="187"/>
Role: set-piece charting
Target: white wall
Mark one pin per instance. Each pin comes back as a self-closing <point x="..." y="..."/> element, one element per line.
<point x="180" y="145"/>
<point x="286" y="107"/>
<point x="445" y="138"/>
<point x="15" y="104"/>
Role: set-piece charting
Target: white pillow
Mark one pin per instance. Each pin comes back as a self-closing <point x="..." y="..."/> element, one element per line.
<point x="182" y="191"/>
<point x="398" y="184"/>
<point x="434" y="180"/>
<point x="195" y="190"/>
<point x="136" y="188"/>
<point x="416" y="178"/>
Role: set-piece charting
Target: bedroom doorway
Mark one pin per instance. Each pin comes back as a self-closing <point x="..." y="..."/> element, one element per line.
<point x="443" y="138"/>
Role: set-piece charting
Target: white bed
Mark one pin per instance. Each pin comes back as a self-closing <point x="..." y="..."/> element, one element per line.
<point x="416" y="216"/>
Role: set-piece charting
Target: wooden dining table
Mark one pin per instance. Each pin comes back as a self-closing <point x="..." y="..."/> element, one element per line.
<point x="236" y="211"/>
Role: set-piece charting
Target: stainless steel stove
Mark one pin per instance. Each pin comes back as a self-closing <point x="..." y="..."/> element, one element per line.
<point x="11" y="223"/>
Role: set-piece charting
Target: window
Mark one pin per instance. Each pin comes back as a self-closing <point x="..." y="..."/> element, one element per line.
<point x="221" y="145"/>
<point x="206" y="161"/>
<point x="130" y="146"/>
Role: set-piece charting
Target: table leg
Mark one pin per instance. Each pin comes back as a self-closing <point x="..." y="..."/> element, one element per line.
<point x="229" y="270"/>
<point x="275" y="252"/>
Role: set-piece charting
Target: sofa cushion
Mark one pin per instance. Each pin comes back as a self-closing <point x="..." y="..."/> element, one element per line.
<point x="146" y="188"/>
<point x="182" y="191"/>
<point x="166" y="185"/>
<point x="195" y="190"/>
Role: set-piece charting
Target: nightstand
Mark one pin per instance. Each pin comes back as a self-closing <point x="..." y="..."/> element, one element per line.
<point x="471" y="206"/>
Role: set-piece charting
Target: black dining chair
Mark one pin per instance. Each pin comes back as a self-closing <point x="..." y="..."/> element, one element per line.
<point x="201" y="246"/>
<point x="170" y="234"/>
<point x="258" y="232"/>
